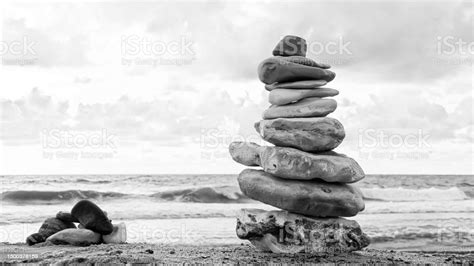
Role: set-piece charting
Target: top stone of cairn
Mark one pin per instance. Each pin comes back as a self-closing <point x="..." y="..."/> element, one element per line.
<point x="290" y="46"/>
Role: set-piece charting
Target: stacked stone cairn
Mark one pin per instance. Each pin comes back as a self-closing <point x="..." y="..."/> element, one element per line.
<point x="301" y="174"/>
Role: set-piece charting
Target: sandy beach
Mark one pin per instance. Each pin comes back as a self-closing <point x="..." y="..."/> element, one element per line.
<point x="157" y="253"/>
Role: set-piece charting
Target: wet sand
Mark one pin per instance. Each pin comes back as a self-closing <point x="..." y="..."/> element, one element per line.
<point x="159" y="253"/>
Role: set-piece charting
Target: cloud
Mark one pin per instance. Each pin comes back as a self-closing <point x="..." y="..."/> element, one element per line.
<point x="22" y="120"/>
<point x="83" y="80"/>
<point x="231" y="38"/>
<point x="173" y="120"/>
<point x="394" y="77"/>
<point x="176" y="119"/>
<point x="46" y="48"/>
<point x="404" y="111"/>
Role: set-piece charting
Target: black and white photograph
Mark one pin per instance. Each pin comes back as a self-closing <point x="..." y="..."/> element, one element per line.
<point x="236" y="132"/>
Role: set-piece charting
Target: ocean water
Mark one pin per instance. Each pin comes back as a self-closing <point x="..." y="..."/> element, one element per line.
<point x="402" y="211"/>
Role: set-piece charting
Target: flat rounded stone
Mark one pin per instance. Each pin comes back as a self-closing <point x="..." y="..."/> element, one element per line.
<point x="92" y="217"/>
<point x="310" y="197"/>
<point x="286" y="96"/>
<point x="75" y="237"/>
<point x="301" y="84"/>
<point x="314" y="134"/>
<point x="309" y="107"/>
<point x="290" y="163"/>
<point x="304" y="61"/>
<point x="274" y="69"/>
<point x="290" y="45"/>
<point x="246" y="153"/>
<point x="290" y="233"/>
<point x="49" y="227"/>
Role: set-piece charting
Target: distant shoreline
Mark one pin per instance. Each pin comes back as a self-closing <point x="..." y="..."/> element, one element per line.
<point x="160" y="253"/>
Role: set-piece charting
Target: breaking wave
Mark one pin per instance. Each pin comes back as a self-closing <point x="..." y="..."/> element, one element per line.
<point x="227" y="194"/>
<point x="223" y="194"/>
<point x="31" y="196"/>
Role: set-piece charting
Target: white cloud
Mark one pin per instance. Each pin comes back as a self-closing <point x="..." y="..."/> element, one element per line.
<point x="394" y="77"/>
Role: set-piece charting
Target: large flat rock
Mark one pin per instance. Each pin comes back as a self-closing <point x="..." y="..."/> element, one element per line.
<point x="296" y="85"/>
<point x="315" y="134"/>
<point x="313" y="197"/>
<point x="284" y="232"/>
<point x="309" y="107"/>
<point x="75" y="237"/>
<point x="304" y="61"/>
<point x="275" y="69"/>
<point x="290" y="163"/>
<point x="286" y="96"/>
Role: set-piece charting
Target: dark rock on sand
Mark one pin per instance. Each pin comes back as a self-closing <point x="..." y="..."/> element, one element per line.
<point x="75" y="237"/>
<point x="66" y="217"/>
<point x="309" y="107"/>
<point x="274" y="69"/>
<point x="310" y="197"/>
<point x="286" y="96"/>
<point x="92" y="217"/>
<point x="290" y="163"/>
<point x="298" y="85"/>
<point x="284" y="232"/>
<point x="315" y="134"/>
<point x="49" y="227"/>
<point x="34" y="239"/>
<point x="290" y="45"/>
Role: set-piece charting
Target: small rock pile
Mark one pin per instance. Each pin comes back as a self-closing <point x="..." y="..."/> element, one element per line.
<point x="301" y="174"/>
<point x="94" y="228"/>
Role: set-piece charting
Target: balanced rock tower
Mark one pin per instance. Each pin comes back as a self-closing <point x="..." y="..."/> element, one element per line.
<point x="300" y="174"/>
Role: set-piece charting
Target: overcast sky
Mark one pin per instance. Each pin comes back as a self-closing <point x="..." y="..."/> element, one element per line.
<point x="163" y="87"/>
